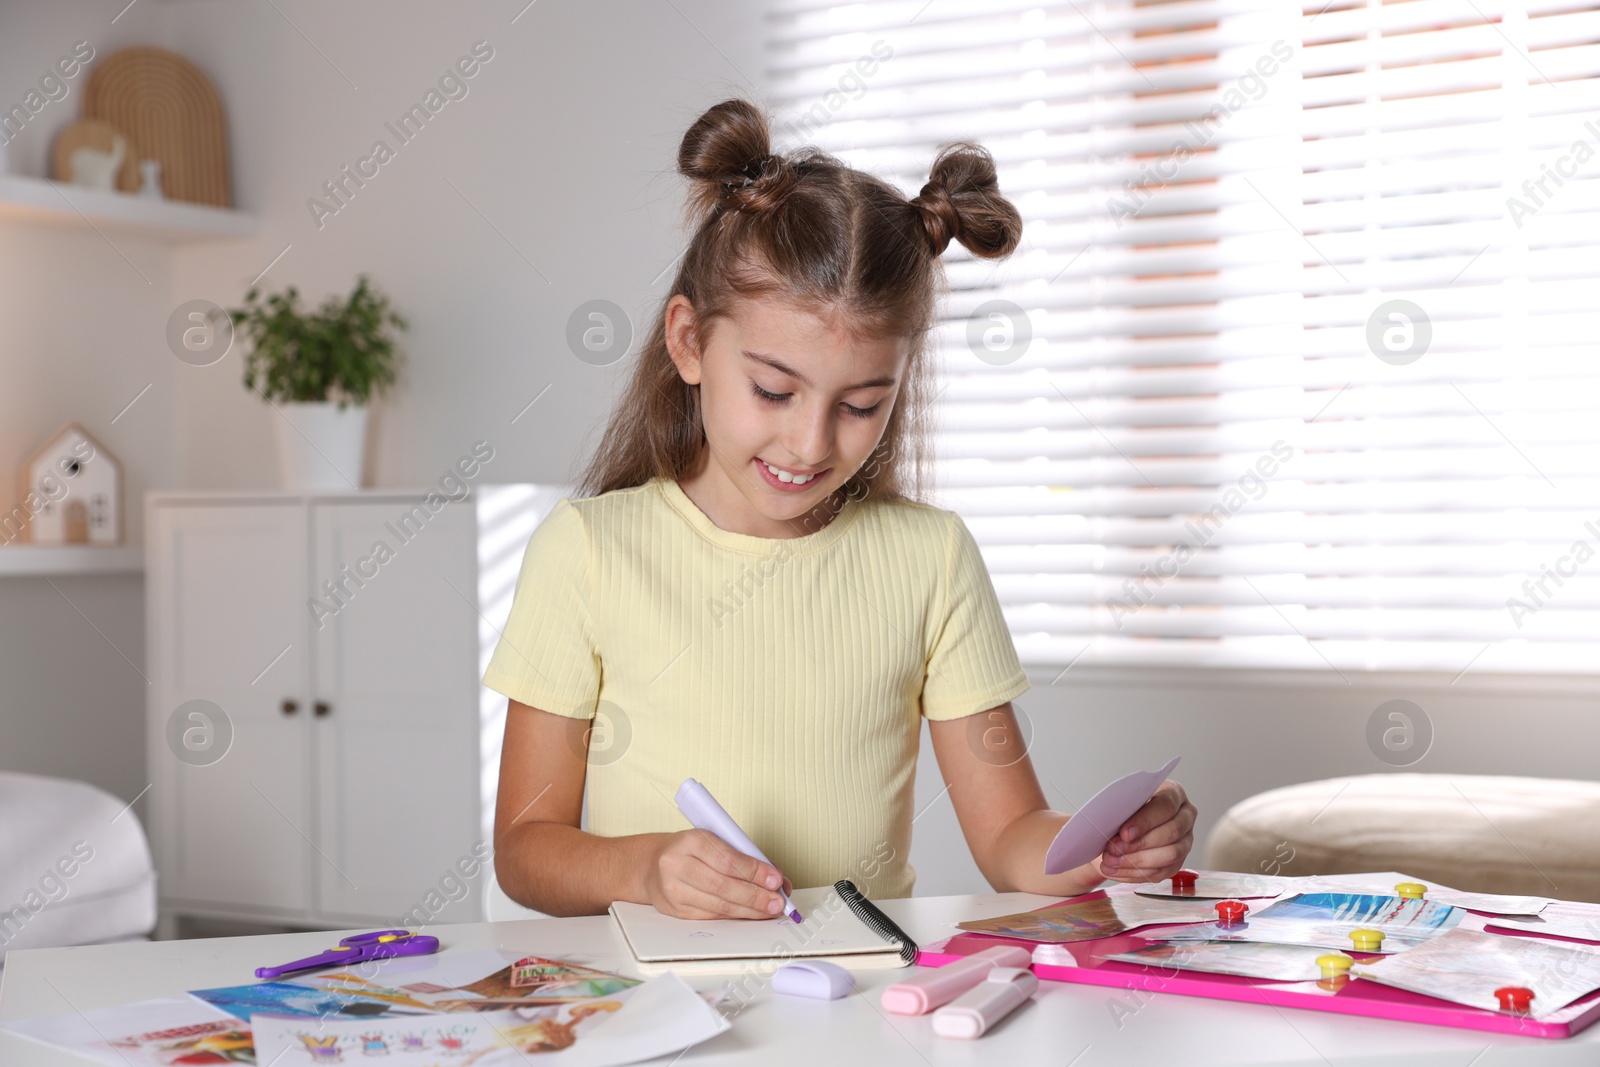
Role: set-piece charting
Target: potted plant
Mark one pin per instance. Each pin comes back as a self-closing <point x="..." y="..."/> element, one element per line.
<point x="320" y="369"/>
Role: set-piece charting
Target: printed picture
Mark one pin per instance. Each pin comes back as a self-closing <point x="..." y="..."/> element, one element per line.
<point x="1092" y="919"/>
<point x="1327" y="919"/>
<point x="651" y="1019"/>
<point x="1217" y="887"/>
<point x="285" y="998"/>
<point x="1275" y="963"/>
<point x="479" y="981"/>
<point x="1467" y="966"/>
<point x="218" y="1042"/>
<point x="161" y="1032"/>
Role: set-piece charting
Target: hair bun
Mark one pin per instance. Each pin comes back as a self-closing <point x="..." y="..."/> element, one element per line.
<point x="961" y="201"/>
<point x="940" y="221"/>
<point x="728" y="156"/>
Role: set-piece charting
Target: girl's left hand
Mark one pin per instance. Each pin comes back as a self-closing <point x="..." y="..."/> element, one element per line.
<point x="1152" y="845"/>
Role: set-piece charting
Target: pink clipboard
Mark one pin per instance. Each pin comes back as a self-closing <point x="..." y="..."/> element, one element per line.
<point x="1355" y="997"/>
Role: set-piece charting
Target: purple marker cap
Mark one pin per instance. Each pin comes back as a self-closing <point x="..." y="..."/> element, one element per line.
<point x="704" y="813"/>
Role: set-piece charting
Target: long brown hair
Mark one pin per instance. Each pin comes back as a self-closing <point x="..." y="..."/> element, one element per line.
<point x="829" y="239"/>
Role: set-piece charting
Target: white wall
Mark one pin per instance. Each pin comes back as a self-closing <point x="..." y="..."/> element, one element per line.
<point x="81" y="320"/>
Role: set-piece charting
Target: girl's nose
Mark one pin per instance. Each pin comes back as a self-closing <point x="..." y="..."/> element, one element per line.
<point x="810" y="438"/>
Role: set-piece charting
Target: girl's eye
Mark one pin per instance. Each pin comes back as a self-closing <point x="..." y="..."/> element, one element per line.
<point x="771" y="398"/>
<point x="778" y="398"/>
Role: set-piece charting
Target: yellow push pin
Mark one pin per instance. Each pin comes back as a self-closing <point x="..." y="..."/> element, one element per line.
<point x="1411" y="890"/>
<point x="1367" y="940"/>
<point x="1334" y="964"/>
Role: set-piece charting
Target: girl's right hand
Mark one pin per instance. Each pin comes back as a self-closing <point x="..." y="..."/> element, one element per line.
<point x="697" y="875"/>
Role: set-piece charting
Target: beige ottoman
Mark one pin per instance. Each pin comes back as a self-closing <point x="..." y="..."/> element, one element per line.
<point x="1483" y="834"/>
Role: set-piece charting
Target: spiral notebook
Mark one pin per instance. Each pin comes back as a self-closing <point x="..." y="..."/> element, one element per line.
<point x="840" y="926"/>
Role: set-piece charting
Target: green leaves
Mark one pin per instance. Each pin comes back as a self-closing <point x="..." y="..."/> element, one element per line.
<point x="342" y="351"/>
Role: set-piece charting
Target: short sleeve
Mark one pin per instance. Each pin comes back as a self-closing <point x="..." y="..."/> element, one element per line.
<point x="973" y="665"/>
<point x="547" y="657"/>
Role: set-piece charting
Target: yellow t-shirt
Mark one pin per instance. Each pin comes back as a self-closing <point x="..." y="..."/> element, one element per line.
<point x="787" y="675"/>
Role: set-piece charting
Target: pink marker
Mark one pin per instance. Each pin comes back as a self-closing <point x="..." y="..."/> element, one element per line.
<point x="919" y="995"/>
<point x="977" y="1010"/>
<point x="704" y="813"/>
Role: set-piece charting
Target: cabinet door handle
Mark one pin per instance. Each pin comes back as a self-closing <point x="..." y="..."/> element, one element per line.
<point x="321" y="708"/>
<point x="290" y="707"/>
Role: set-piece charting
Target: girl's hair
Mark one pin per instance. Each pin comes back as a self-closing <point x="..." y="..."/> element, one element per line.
<point x="807" y="228"/>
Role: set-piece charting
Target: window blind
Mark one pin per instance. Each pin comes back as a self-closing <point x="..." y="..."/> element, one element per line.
<point x="1296" y="366"/>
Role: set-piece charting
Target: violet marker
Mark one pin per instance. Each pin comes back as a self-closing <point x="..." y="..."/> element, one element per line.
<point x="704" y="813"/>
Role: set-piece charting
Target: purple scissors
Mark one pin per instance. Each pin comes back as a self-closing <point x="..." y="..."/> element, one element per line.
<point x="378" y="945"/>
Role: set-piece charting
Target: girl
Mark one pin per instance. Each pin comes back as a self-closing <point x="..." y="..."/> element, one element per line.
<point x="748" y="592"/>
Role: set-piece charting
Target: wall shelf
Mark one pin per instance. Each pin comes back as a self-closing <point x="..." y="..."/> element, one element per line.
<point x="55" y="560"/>
<point x="37" y="200"/>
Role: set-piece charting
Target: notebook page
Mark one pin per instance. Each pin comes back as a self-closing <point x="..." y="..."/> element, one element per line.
<point x="830" y="929"/>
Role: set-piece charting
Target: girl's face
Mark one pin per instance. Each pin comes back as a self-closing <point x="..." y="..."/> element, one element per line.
<point x="783" y="393"/>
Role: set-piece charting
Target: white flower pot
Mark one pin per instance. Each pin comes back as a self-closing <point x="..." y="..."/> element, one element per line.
<point x="320" y="446"/>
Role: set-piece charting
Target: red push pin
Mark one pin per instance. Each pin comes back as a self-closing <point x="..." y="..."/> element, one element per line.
<point x="1514" y="998"/>
<point x="1183" y="882"/>
<point x="1230" y="912"/>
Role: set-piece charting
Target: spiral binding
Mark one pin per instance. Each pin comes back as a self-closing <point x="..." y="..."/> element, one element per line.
<point x="877" y="921"/>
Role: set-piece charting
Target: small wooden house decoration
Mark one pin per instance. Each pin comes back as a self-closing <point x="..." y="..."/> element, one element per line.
<point x="72" y="488"/>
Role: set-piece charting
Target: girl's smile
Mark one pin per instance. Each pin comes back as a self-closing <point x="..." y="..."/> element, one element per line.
<point x="787" y="479"/>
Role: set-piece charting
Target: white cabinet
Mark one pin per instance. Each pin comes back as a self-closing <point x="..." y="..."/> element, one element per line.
<point x="221" y="606"/>
<point x="360" y="765"/>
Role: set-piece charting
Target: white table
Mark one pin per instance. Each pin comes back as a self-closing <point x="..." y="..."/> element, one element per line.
<point x="1065" y="1025"/>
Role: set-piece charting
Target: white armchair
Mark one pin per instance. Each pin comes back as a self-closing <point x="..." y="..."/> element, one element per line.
<point x="75" y="867"/>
